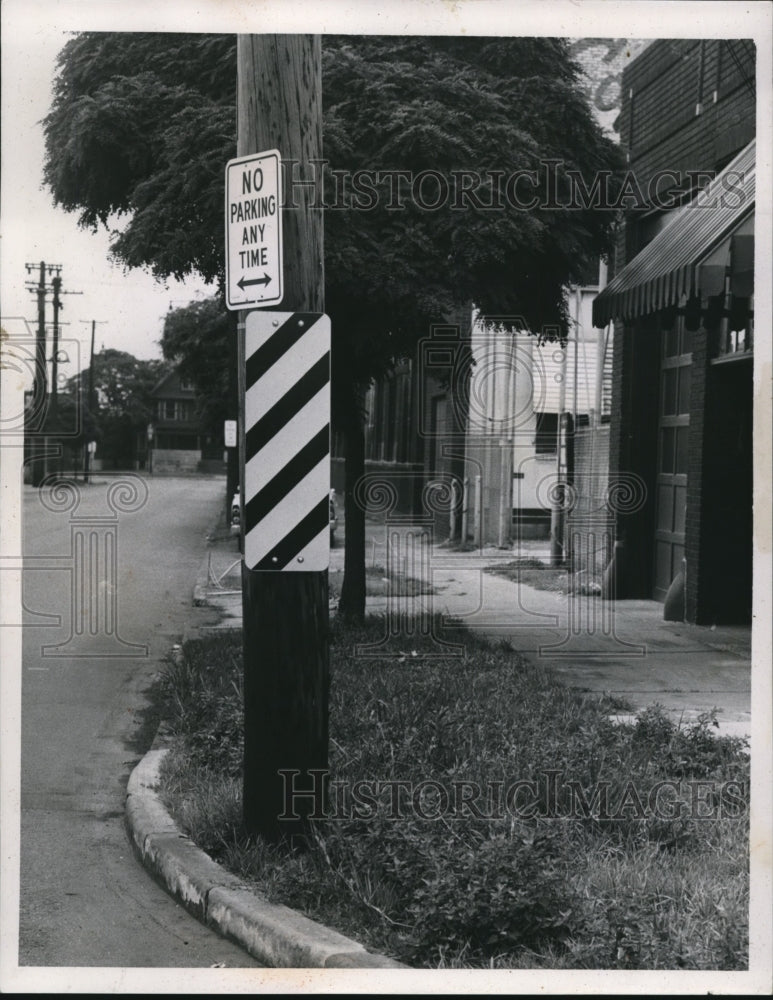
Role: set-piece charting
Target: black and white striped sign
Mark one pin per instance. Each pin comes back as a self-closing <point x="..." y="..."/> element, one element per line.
<point x="287" y="441"/>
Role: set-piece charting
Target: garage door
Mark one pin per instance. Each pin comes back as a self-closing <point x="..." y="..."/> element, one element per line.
<point x="673" y="432"/>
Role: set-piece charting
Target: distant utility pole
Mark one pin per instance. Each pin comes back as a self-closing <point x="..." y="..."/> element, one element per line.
<point x="57" y="286"/>
<point x="40" y="383"/>
<point x="90" y="397"/>
<point x="285" y="613"/>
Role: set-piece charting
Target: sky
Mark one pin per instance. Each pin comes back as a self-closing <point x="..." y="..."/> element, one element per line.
<point x="128" y="306"/>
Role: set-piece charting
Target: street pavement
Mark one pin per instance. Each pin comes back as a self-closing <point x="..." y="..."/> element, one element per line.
<point x="620" y="648"/>
<point x="107" y="592"/>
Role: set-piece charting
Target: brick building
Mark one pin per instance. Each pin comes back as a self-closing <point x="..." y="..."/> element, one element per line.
<point x="682" y="303"/>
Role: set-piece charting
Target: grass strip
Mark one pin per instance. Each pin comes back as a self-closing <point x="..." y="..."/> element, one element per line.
<point x="480" y="813"/>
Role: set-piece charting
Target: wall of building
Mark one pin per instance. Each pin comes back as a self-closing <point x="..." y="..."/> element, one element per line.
<point x="442" y="387"/>
<point x="518" y="388"/>
<point x="172" y="461"/>
<point x="501" y="431"/>
<point x="687" y="106"/>
<point x="414" y="427"/>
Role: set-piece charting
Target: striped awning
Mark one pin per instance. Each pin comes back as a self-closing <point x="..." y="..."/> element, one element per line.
<point x="668" y="270"/>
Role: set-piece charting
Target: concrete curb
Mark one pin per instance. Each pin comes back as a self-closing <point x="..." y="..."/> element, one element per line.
<point x="274" y="934"/>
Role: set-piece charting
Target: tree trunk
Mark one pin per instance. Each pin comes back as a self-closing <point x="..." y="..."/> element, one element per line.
<point x="352" y="602"/>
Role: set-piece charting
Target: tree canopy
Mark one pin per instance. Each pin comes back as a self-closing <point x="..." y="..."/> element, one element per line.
<point x="492" y="108"/>
<point x="138" y="132"/>
<point x="196" y="339"/>
<point x="122" y="403"/>
<point x="141" y="126"/>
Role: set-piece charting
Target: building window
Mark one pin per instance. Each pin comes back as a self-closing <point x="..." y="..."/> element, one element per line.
<point x="186" y="385"/>
<point x="546" y="439"/>
<point x="736" y="329"/>
<point x="175" y="409"/>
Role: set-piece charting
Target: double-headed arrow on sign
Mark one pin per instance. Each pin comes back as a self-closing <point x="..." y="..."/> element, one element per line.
<point x="244" y="282"/>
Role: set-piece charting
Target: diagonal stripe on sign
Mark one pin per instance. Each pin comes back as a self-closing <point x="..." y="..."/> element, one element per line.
<point x="311" y="551"/>
<point x="270" y="385"/>
<point x="287" y="479"/>
<point x="286" y="471"/>
<point x="266" y="463"/>
<point x="278" y="342"/>
<point x="304" y="532"/>
<point x="284" y="409"/>
<point x="282" y="519"/>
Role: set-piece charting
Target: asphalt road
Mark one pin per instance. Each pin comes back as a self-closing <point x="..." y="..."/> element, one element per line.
<point x="120" y="578"/>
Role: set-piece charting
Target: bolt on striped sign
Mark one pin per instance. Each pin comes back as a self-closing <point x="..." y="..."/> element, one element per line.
<point x="287" y="441"/>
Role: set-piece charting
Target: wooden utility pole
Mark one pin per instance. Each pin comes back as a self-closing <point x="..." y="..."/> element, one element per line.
<point x="285" y="613"/>
<point x="40" y="394"/>
<point x="57" y="286"/>
<point x="41" y="366"/>
<point x="40" y="384"/>
<point x="90" y="402"/>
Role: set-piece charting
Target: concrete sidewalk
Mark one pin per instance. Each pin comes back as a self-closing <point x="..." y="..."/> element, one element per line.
<point x="622" y="648"/>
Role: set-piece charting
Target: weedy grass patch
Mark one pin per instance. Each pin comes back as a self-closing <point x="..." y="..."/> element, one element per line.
<point x="533" y="573"/>
<point x="480" y="814"/>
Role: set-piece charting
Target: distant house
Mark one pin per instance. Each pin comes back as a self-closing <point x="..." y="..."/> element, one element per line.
<point x="176" y="441"/>
<point x="526" y="400"/>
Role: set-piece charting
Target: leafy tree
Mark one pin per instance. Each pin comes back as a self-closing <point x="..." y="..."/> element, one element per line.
<point x="491" y="107"/>
<point x="196" y="339"/>
<point x="139" y="130"/>
<point x="121" y="406"/>
<point x="142" y="125"/>
<point x="200" y="339"/>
